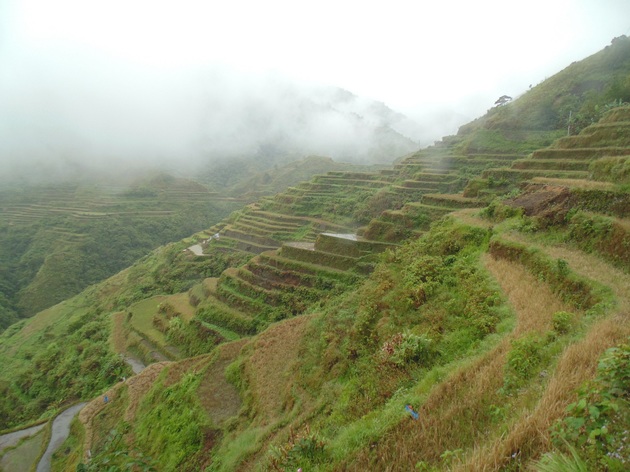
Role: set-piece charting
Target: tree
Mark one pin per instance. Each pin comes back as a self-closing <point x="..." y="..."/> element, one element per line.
<point x="503" y="100"/>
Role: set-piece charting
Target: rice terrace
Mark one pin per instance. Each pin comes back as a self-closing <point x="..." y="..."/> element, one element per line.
<point x="482" y="283"/>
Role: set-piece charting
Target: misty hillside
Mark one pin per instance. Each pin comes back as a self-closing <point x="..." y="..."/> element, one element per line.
<point x="276" y="118"/>
<point x="58" y="238"/>
<point x="466" y="308"/>
<point x="199" y="123"/>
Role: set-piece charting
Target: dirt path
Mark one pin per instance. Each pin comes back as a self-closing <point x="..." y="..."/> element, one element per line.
<point x="11" y="439"/>
<point x="59" y="433"/>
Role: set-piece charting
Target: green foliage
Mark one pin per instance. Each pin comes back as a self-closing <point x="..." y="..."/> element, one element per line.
<point x="558" y="462"/>
<point x="115" y="456"/>
<point x="301" y="450"/>
<point x="193" y="338"/>
<point x="178" y="440"/>
<point x="497" y="211"/>
<point x="611" y="169"/>
<point x="562" y="322"/>
<point x="373" y="206"/>
<point x="405" y="348"/>
<point x="585" y="91"/>
<point x="511" y="139"/>
<point x="523" y="360"/>
<point x="66" y="369"/>
<point x="573" y="289"/>
<point x="600" y="234"/>
<point x="596" y="424"/>
<point x="52" y="256"/>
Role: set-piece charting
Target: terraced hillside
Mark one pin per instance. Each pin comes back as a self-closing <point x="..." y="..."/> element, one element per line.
<point x="422" y="317"/>
<point x="455" y="309"/>
<point x="57" y="239"/>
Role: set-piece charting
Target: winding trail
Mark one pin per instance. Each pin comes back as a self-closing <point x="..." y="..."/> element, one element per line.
<point x="60" y="427"/>
<point x="59" y="433"/>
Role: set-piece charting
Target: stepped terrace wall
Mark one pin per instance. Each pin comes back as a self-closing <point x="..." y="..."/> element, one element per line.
<point x="349" y="245"/>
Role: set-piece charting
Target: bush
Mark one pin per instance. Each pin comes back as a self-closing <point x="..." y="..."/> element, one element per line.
<point x="522" y="360"/>
<point x="562" y="321"/>
<point x="406" y="348"/>
<point x="597" y="423"/>
<point x="301" y="449"/>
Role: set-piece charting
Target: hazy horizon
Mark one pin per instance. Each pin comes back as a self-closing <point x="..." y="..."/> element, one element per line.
<point x="96" y="85"/>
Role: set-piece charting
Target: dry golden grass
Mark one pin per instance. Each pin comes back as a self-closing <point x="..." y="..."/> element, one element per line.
<point x="458" y="412"/>
<point x="181" y="303"/>
<point x="575" y="183"/>
<point x="219" y="398"/>
<point x="529" y="437"/>
<point x="274" y="353"/>
<point x="533" y="302"/>
<point x="594" y="268"/>
<point x="210" y="286"/>
<point x="453" y="415"/>
<point x="139" y="385"/>
<point x="118" y="338"/>
<point x="589" y="266"/>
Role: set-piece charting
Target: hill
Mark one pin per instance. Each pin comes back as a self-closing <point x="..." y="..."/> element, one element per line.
<point x="57" y="238"/>
<point x="480" y="284"/>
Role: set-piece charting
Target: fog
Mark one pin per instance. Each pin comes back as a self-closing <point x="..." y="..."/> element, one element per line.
<point x="85" y="114"/>
<point x="117" y="86"/>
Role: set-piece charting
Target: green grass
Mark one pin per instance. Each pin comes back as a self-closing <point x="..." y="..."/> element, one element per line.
<point x="24" y="455"/>
<point x="182" y="420"/>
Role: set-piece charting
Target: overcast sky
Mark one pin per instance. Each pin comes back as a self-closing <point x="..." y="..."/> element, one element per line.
<point x="442" y="60"/>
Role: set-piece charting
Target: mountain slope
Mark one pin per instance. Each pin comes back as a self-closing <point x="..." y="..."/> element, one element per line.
<point x="486" y="322"/>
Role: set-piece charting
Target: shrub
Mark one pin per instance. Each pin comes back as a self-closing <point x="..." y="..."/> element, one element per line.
<point x="498" y="211"/>
<point x="405" y="348"/>
<point x="611" y="169"/>
<point x="597" y="423"/>
<point x="557" y="462"/>
<point x="562" y="321"/>
<point x="301" y="449"/>
<point x="522" y="360"/>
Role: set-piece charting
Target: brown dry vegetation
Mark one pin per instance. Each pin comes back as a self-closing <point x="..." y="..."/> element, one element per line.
<point x="119" y="336"/>
<point x="458" y="412"/>
<point x="274" y="353"/>
<point x="532" y="301"/>
<point x="135" y="388"/>
<point x="219" y="398"/>
<point x="530" y="436"/>
<point x="575" y="183"/>
<point x="181" y="303"/>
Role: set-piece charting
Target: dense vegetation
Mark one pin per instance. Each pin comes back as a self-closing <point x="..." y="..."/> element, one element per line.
<point x="57" y="239"/>
<point x="49" y="256"/>
<point x="482" y="330"/>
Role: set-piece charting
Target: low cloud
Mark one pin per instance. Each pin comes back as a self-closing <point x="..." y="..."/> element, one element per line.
<point x="78" y="114"/>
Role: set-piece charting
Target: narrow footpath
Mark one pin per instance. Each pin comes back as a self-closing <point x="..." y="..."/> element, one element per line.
<point x="60" y="427"/>
<point x="59" y="433"/>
